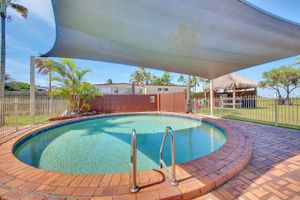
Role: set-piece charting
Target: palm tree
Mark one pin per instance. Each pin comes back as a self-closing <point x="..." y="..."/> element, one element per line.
<point x="140" y="77"/>
<point x="73" y="85"/>
<point x="45" y="67"/>
<point x="181" y="79"/>
<point x="187" y="81"/>
<point x="3" y="12"/>
<point x="23" y="11"/>
<point x="164" y="80"/>
<point x="188" y="105"/>
<point x="190" y="81"/>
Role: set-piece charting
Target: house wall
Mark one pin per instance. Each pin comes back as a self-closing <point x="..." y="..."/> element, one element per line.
<point x="118" y="89"/>
<point x="162" y="89"/>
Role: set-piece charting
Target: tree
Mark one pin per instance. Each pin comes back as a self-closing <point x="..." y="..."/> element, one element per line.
<point x="188" y="106"/>
<point x="284" y="77"/>
<point x="45" y="67"/>
<point x="7" y="78"/>
<point x="109" y="81"/>
<point x="17" y="86"/>
<point x="73" y="85"/>
<point x="164" y="80"/>
<point x="190" y="81"/>
<point x="11" y="85"/>
<point x="140" y="77"/>
<point x="3" y="12"/>
<point x="187" y="81"/>
<point x="195" y="81"/>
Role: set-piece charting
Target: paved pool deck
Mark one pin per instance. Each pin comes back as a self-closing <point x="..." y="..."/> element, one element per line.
<point x="273" y="171"/>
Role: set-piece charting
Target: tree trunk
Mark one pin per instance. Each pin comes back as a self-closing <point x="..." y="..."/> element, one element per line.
<point x="188" y="107"/>
<point x="50" y="84"/>
<point x="287" y="100"/>
<point x="3" y="55"/>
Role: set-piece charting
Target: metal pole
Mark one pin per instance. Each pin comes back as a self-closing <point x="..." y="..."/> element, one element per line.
<point x="276" y="111"/>
<point x="133" y="184"/>
<point x="211" y="93"/>
<point x="32" y="90"/>
<point x="174" y="182"/>
<point x="233" y="98"/>
<point x="2" y="61"/>
<point x="17" y="112"/>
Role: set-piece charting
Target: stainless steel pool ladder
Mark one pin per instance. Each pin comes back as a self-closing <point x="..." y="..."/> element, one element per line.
<point x="133" y="176"/>
<point x="169" y="130"/>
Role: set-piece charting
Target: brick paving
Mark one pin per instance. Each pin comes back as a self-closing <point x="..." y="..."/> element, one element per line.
<point x="273" y="172"/>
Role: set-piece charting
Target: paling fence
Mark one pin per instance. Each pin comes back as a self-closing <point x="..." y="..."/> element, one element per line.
<point x="252" y="108"/>
<point x="15" y="111"/>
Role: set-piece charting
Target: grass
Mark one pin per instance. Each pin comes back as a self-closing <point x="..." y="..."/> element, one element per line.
<point x="11" y="121"/>
<point x="288" y="115"/>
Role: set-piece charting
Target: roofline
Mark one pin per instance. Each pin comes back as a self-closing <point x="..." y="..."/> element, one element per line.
<point x="113" y="84"/>
<point x="138" y="85"/>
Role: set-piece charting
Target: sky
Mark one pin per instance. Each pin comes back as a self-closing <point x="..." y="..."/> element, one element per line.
<point x="36" y="35"/>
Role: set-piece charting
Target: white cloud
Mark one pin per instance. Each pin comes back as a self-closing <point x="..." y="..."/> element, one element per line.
<point x="41" y="9"/>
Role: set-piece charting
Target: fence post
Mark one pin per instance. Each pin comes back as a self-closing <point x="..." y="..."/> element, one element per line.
<point x="32" y="90"/>
<point x="51" y="105"/>
<point x="211" y="92"/>
<point x="17" y="112"/>
<point x="276" y="111"/>
<point x="2" y="111"/>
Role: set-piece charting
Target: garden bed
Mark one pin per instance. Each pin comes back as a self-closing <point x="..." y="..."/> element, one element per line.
<point x="59" y="118"/>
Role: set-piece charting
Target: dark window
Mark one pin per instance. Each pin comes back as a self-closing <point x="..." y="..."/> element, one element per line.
<point x="166" y="89"/>
<point x="116" y="90"/>
<point x="159" y="89"/>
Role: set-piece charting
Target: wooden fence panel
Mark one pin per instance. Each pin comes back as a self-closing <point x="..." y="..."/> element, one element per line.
<point x="124" y="103"/>
<point x="172" y="102"/>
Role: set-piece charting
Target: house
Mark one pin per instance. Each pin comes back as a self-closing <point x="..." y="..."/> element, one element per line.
<point x="161" y="89"/>
<point x="128" y="88"/>
<point x="119" y="88"/>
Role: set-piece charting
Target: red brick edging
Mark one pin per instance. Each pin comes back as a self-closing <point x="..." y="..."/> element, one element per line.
<point x="197" y="177"/>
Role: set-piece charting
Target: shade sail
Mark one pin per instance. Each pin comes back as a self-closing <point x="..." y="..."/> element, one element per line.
<point x="207" y="38"/>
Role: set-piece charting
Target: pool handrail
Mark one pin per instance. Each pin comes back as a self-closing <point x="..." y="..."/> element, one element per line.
<point x="133" y="183"/>
<point x="169" y="130"/>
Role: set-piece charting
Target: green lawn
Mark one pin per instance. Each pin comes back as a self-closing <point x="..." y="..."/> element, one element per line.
<point x="12" y="121"/>
<point x="288" y="115"/>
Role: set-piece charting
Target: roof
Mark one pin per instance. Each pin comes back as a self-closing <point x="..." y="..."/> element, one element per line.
<point x="202" y="38"/>
<point x="153" y="85"/>
<point x="130" y="84"/>
<point x="105" y="84"/>
<point x="232" y="81"/>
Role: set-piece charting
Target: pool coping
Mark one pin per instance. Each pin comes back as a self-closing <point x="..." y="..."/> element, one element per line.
<point x="196" y="177"/>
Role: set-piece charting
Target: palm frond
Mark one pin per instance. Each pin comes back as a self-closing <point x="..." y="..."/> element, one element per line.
<point x="19" y="8"/>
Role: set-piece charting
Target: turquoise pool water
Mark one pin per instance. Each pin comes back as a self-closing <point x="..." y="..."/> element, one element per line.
<point x="102" y="145"/>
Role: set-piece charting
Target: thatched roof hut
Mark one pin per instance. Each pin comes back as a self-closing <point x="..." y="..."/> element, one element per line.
<point x="231" y="82"/>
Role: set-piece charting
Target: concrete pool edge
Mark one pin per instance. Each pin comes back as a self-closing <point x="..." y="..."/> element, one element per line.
<point x="196" y="177"/>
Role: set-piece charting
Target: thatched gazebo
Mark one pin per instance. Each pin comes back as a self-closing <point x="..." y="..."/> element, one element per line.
<point x="231" y="86"/>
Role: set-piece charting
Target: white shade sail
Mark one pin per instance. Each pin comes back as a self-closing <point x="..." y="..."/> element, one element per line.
<point x="206" y="38"/>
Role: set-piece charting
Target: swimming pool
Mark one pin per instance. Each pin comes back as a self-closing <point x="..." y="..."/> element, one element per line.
<point x="102" y="144"/>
